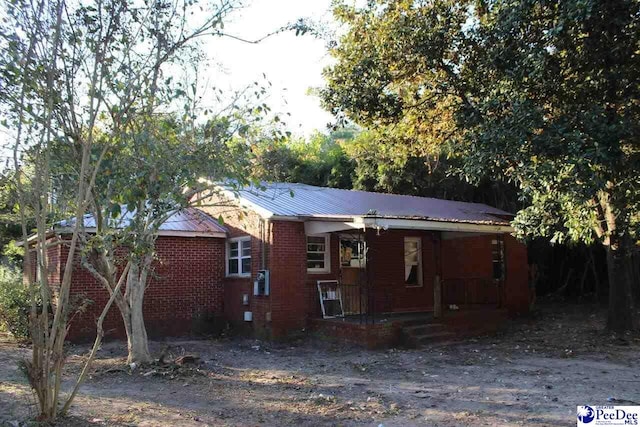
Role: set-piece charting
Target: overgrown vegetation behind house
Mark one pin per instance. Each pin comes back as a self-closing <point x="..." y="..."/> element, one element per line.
<point x="14" y="303"/>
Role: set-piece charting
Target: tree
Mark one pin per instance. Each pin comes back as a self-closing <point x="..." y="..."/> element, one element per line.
<point x="383" y="163"/>
<point x="79" y="78"/>
<point x="10" y="229"/>
<point x="33" y="39"/>
<point x="321" y="160"/>
<point x="152" y="148"/>
<point x="156" y="172"/>
<point x="544" y="94"/>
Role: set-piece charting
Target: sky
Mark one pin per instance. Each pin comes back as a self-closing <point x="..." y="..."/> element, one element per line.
<point x="293" y="64"/>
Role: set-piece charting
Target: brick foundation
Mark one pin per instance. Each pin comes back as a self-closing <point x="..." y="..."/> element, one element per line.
<point x="372" y="336"/>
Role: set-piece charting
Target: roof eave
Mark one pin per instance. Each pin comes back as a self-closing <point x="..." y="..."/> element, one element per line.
<point x="162" y="233"/>
<point x="436" y="225"/>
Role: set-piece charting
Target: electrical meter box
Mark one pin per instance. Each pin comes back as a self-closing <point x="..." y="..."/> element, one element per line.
<point x="261" y="284"/>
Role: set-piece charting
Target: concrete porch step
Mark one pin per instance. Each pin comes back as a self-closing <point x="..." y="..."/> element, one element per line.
<point x="423" y="329"/>
<point x="418" y="321"/>
<point x="425" y="333"/>
<point x="434" y="337"/>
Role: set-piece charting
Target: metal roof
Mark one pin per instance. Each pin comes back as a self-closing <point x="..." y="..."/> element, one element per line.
<point x="188" y="220"/>
<point x="301" y="200"/>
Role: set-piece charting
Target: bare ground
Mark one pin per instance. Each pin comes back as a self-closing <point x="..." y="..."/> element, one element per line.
<point x="534" y="373"/>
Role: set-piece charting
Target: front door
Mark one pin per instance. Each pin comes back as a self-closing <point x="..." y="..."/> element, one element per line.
<point x="413" y="291"/>
<point x="353" y="273"/>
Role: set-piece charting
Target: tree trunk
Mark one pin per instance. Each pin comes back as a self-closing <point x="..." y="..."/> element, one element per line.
<point x="620" y="270"/>
<point x="137" y="341"/>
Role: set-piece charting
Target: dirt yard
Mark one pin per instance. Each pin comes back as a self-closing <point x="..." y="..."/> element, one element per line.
<point x="533" y="373"/>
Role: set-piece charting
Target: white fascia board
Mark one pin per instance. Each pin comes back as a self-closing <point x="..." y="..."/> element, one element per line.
<point x="452" y="235"/>
<point x="166" y="233"/>
<point x="34" y="237"/>
<point x="171" y="233"/>
<point x="320" y="227"/>
<point x="410" y="224"/>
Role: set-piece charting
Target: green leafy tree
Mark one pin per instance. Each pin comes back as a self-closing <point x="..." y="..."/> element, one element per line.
<point x="156" y="172"/>
<point x="544" y="94"/>
<point x="14" y="303"/>
<point x="10" y="229"/>
<point x="78" y="77"/>
<point x="321" y="160"/>
<point x="382" y="163"/>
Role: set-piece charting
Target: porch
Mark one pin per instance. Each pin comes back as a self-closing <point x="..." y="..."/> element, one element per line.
<point x="411" y="286"/>
<point x="411" y="329"/>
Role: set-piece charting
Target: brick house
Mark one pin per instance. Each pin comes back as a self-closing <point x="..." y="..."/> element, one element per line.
<point x="398" y="261"/>
<point x="367" y="267"/>
<point x="185" y="291"/>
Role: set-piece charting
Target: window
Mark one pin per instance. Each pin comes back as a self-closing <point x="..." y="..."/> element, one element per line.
<point x="412" y="261"/>
<point x="352" y="251"/>
<point x="497" y="246"/>
<point x="318" y="259"/>
<point x="239" y="257"/>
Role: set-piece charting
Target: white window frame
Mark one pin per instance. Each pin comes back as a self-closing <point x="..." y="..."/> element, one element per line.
<point x="497" y="248"/>
<point x="327" y="254"/>
<point x="240" y="273"/>
<point x="418" y="240"/>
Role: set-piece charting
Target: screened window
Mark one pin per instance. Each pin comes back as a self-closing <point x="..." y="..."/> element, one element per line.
<point x="497" y="246"/>
<point x="318" y="260"/>
<point x="239" y="257"/>
<point x="412" y="261"/>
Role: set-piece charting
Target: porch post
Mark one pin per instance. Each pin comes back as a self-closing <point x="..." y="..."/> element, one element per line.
<point x="437" y="281"/>
<point x="369" y="291"/>
<point x="437" y="297"/>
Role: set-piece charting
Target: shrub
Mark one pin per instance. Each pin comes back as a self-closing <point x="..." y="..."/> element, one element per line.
<point x="13" y="253"/>
<point x="14" y="303"/>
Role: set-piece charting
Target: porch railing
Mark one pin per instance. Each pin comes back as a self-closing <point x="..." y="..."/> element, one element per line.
<point x="359" y="302"/>
<point x="363" y="302"/>
<point x="470" y="291"/>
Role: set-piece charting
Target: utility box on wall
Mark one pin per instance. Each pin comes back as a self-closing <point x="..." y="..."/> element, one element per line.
<point x="261" y="284"/>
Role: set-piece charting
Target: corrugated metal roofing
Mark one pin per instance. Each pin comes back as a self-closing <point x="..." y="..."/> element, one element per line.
<point x="186" y="220"/>
<point x="301" y="200"/>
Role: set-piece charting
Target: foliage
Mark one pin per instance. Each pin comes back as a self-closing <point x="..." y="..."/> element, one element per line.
<point x="384" y="164"/>
<point x="544" y="94"/>
<point x="161" y="160"/>
<point x="524" y="88"/>
<point x="80" y="82"/>
<point x="14" y="303"/>
<point x="13" y="253"/>
<point x="9" y="216"/>
<point x="321" y="161"/>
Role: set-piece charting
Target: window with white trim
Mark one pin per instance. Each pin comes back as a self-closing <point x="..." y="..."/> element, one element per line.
<point x="318" y="254"/>
<point x="412" y="261"/>
<point x="239" y="256"/>
<point x="497" y="246"/>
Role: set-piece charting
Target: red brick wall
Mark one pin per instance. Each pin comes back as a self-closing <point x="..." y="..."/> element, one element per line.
<point x="471" y="257"/>
<point x="516" y="289"/>
<point x="294" y="297"/>
<point x="467" y="257"/>
<point x="289" y="295"/>
<point x="54" y="268"/>
<point x="185" y="289"/>
<point x="386" y="263"/>
<point x="239" y="223"/>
